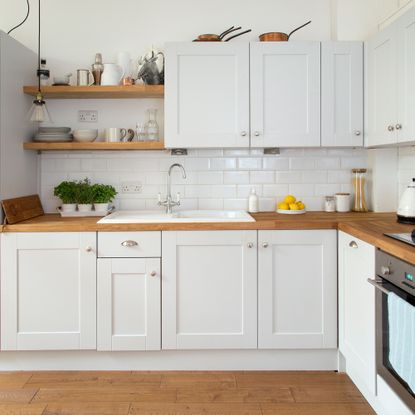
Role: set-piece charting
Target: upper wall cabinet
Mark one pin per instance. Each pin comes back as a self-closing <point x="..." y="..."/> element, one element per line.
<point x="392" y="84"/>
<point x="207" y="95"/>
<point x="285" y="94"/>
<point x="342" y="94"/>
<point x="263" y="94"/>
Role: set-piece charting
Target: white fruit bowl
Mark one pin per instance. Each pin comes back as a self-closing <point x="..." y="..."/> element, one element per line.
<point x="85" y="136"/>
<point x="291" y="212"/>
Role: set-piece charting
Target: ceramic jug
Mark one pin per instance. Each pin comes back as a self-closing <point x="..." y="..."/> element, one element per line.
<point x="112" y="75"/>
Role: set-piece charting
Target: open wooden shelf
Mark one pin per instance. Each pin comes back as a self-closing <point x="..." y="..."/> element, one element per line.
<point x="98" y="92"/>
<point x="147" y="145"/>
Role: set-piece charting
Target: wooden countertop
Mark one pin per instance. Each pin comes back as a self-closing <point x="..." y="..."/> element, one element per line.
<point x="368" y="227"/>
<point x="266" y="220"/>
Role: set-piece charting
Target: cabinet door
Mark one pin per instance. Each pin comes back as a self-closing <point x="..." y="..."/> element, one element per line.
<point x="209" y="290"/>
<point x="357" y="308"/>
<point x="129" y="304"/>
<point x="382" y="79"/>
<point x="342" y="94"/>
<point x="285" y="94"/>
<point x="207" y="95"/>
<point x="406" y="70"/>
<point x="48" y="291"/>
<point x="297" y="289"/>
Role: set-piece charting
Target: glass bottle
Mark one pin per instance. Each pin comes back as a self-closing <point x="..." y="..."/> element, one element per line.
<point x="43" y="73"/>
<point x="97" y="69"/>
<point x="359" y="184"/>
<point x="152" y="128"/>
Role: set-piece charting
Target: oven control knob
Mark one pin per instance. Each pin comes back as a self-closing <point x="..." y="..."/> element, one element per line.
<point x="385" y="270"/>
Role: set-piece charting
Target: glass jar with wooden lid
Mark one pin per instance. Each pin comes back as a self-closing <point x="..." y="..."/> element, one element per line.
<point x="359" y="185"/>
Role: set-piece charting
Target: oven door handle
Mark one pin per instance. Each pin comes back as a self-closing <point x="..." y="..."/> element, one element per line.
<point x="378" y="285"/>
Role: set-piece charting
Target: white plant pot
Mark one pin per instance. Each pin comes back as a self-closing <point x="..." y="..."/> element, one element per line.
<point x="101" y="207"/>
<point x="68" y="207"/>
<point x="85" y="207"/>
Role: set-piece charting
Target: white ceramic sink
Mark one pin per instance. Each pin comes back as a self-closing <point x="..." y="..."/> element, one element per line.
<point x="155" y="216"/>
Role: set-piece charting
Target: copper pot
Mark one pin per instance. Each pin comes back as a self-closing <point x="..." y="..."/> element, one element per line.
<point x="279" y="36"/>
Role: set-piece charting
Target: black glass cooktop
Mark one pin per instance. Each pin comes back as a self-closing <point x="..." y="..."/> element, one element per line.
<point x="408" y="238"/>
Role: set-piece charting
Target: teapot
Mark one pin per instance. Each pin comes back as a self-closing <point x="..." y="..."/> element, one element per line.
<point x="112" y="74"/>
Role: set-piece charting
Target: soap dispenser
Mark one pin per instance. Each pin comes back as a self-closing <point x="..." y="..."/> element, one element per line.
<point x="253" y="202"/>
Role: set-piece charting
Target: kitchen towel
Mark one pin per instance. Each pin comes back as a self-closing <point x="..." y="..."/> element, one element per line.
<point x="401" y="316"/>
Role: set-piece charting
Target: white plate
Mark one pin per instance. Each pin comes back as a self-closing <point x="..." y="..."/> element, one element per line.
<point x="52" y="139"/>
<point x="291" y="212"/>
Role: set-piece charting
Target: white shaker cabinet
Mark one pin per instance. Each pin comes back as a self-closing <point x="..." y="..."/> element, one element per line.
<point x="382" y="88"/>
<point x="48" y="291"/>
<point x="209" y="290"/>
<point x="297" y="289"/>
<point x="391" y="66"/>
<point x="128" y="309"/>
<point x="285" y="94"/>
<point x="406" y="80"/>
<point x="357" y="310"/>
<point x="207" y="95"/>
<point x="342" y="94"/>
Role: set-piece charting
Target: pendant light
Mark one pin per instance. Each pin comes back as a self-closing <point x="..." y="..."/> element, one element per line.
<point x="39" y="112"/>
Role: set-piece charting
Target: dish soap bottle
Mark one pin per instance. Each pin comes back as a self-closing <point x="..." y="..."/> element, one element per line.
<point x="253" y="202"/>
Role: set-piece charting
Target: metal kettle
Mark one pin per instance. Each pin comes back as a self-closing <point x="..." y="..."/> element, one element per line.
<point x="406" y="208"/>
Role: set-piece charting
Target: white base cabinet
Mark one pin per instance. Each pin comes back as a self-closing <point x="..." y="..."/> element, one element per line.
<point x="48" y="291"/>
<point x="209" y="290"/>
<point x="129" y="304"/>
<point x="357" y="309"/>
<point x="297" y="289"/>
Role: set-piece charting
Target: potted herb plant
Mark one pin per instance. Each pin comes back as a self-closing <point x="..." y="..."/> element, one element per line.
<point x="103" y="195"/>
<point x="66" y="191"/>
<point x="84" y="195"/>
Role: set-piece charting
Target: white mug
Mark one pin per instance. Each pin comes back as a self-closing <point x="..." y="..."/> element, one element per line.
<point x="84" y="77"/>
<point x="112" y="74"/>
<point x="342" y="202"/>
<point x="115" y="135"/>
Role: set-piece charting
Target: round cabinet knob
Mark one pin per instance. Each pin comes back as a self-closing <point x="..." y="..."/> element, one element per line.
<point x="88" y="249"/>
<point x="129" y="243"/>
<point x="257" y="133"/>
<point x="250" y="245"/>
<point x="391" y="128"/>
<point x="398" y="126"/>
<point x="243" y="133"/>
<point x="385" y="270"/>
<point x="153" y="273"/>
<point x="265" y="245"/>
<point x="357" y="132"/>
<point x="353" y="244"/>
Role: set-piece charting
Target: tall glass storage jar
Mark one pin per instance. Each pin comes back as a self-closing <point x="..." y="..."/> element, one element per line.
<point x="359" y="185"/>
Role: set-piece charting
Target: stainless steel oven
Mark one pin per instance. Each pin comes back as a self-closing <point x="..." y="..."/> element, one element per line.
<point x="395" y="276"/>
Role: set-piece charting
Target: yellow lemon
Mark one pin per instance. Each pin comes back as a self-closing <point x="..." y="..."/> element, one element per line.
<point x="283" y="206"/>
<point x="300" y="205"/>
<point x="294" y="206"/>
<point x="289" y="199"/>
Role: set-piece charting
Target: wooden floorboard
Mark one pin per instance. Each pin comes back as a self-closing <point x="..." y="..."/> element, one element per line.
<point x="179" y="393"/>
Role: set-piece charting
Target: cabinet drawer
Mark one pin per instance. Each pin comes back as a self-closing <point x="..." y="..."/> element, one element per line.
<point x="129" y="244"/>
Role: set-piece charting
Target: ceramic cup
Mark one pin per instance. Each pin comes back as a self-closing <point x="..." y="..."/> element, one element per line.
<point x="115" y="135"/>
<point x="342" y="202"/>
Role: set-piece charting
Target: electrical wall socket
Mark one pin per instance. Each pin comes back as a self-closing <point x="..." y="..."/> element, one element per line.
<point x="87" y="116"/>
<point x="131" y="187"/>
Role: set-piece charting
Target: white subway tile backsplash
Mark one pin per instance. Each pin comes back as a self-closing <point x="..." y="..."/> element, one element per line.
<point x="236" y="177"/>
<point x="216" y="179"/>
<point x="250" y="163"/>
<point x="302" y="163"/>
<point x="262" y="177"/>
<point x="210" y="177"/>
<point x="276" y="163"/>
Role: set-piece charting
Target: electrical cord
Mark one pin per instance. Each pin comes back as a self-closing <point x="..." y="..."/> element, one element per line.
<point x="27" y="15"/>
